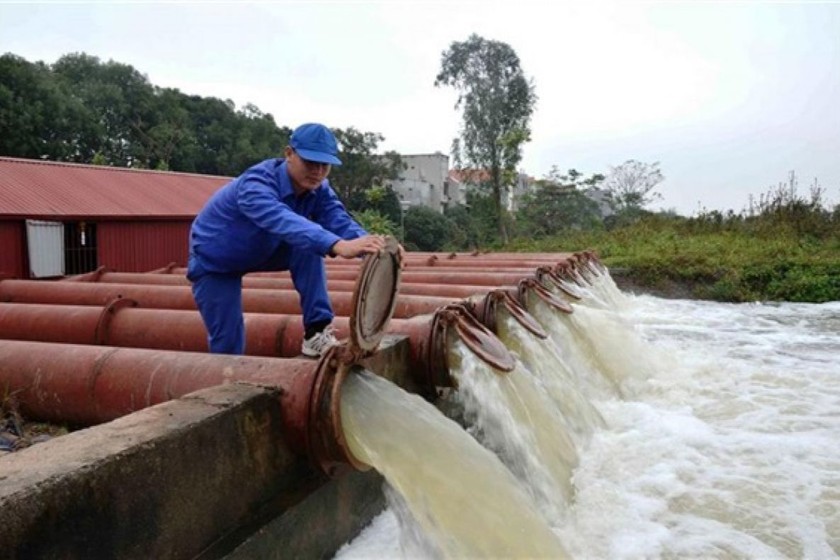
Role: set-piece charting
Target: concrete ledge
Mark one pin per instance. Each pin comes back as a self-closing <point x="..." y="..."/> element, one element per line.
<point x="321" y="524"/>
<point x="163" y="482"/>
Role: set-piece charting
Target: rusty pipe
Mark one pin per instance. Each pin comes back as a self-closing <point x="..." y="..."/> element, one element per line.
<point x="75" y="318"/>
<point x="492" y="255"/>
<point x="120" y="324"/>
<point x="498" y="265"/>
<point x="427" y="283"/>
<point x="280" y="279"/>
<point x="180" y="297"/>
<point x="85" y="385"/>
<point x="430" y="343"/>
<point x="267" y="280"/>
<point x="475" y="278"/>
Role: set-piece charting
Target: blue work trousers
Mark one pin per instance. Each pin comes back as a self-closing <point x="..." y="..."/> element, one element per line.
<point x="219" y="298"/>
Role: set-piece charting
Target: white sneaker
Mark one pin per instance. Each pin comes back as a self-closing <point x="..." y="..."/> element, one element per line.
<point x="319" y="343"/>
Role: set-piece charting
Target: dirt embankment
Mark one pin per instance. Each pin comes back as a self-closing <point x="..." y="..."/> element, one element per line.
<point x="663" y="288"/>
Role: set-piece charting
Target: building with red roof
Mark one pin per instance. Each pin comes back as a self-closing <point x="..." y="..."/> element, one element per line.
<point x="62" y="218"/>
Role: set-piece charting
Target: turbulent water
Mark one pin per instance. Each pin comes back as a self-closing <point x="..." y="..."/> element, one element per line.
<point x="697" y="430"/>
<point x="441" y="478"/>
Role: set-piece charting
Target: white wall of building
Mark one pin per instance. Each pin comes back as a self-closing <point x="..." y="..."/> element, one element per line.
<point x="425" y="182"/>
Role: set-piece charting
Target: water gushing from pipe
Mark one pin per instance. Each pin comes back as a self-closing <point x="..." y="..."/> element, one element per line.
<point x="442" y="476"/>
<point x="556" y="378"/>
<point x="514" y="417"/>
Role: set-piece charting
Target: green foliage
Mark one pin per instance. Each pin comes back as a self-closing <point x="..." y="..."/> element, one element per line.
<point x="726" y="257"/>
<point x="374" y="222"/>
<point x="497" y="101"/>
<point x="559" y="203"/>
<point x="82" y="109"/>
<point x="484" y="219"/>
<point x="425" y="229"/>
<point x="383" y="199"/>
<point x="361" y="169"/>
<point x="118" y="98"/>
<point x="464" y="233"/>
<point x="39" y="117"/>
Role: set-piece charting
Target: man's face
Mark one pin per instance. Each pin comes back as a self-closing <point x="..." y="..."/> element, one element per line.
<point x="306" y="175"/>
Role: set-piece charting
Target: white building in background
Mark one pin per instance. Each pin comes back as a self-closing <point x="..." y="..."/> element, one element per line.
<point x="425" y="182"/>
<point x="428" y="181"/>
<point x="479" y="180"/>
<point x="514" y="193"/>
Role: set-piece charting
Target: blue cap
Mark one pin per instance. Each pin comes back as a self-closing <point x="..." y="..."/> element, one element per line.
<point x="315" y="142"/>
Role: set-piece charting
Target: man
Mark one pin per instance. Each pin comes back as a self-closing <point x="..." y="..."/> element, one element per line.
<point x="281" y="214"/>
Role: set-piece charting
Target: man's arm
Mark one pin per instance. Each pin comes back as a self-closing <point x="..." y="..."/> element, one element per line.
<point x="334" y="217"/>
<point x="259" y="203"/>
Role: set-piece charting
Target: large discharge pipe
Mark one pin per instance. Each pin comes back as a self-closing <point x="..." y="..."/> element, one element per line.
<point x="180" y="297"/>
<point x="257" y="280"/>
<point x="255" y="300"/>
<point x="121" y="324"/>
<point x="85" y="385"/>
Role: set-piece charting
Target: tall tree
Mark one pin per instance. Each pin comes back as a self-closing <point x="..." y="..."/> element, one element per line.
<point x="39" y="118"/>
<point x="631" y="185"/>
<point x="118" y="97"/>
<point x="497" y="101"/>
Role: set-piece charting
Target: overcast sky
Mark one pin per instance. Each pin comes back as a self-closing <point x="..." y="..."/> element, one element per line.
<point x="728" y="96"/>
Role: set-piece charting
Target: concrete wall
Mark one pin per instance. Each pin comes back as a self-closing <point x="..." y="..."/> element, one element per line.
<point x="164" y="482"/>
<point x="425" y="182"/>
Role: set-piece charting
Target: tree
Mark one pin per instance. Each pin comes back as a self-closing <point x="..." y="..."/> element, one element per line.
<point x="559" y="203"/>
<point x="425" y="229"/>
<point x="381" y="198"/>
<point x="375" y="222"/>
<point x="631" y="184"/>
<point x="117" y="96"/>
<point x="361" y="168"/>
<point x="464" y="233"/>
<point x="39" y="118"/>
<point x="167" y="142"/>
<point x="84" y="110"/>
<point x="497" y="102"/>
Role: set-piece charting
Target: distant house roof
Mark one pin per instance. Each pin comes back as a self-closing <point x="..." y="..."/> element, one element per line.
<point x="476" y="176"/>
<point x="473" y="176"/>
<point x="49" y="190"/>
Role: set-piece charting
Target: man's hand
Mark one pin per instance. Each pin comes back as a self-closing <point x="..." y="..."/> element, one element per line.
<point x="401" y="252"/>
<point x="358" y="246"/>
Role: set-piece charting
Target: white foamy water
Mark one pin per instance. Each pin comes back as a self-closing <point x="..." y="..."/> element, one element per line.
<point x="726" y="444"/>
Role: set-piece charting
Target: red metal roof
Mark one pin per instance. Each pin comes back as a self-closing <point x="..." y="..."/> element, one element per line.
<point x="44" y="189"/>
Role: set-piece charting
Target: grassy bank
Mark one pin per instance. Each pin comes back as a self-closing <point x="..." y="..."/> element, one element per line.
<point x="744" y="262"/>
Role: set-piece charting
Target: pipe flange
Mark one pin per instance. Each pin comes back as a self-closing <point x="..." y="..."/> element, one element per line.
<point x="479" y="339"/>
<point x="375" y="297"/>
<point x="489" y="316"/>
<point x="100" y="333"/>
<point x="326" y="444"/>
<point x="535" y="287"/>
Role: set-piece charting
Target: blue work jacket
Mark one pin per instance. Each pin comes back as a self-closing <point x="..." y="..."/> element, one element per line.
<point x="255" y="222"/>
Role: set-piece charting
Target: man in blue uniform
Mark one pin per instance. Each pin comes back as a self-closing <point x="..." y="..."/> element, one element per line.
<point x="280" y="214"/>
